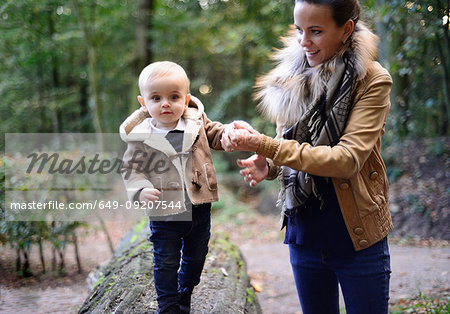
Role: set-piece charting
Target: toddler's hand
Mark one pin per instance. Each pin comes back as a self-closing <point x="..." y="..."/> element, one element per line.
<point x="148" y="194"/>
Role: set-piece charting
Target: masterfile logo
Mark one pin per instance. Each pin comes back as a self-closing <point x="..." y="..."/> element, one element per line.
<point x="78" y="177"/>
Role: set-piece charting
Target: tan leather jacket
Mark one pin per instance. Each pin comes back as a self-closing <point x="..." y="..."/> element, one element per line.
<point x="200" y="135"/>
<point x="354" y="164"/>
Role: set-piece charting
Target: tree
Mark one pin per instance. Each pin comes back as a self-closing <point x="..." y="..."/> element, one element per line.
<point x="88" y="29"/>
<point x="417" y="58"/>
<point x="144" y="54"/>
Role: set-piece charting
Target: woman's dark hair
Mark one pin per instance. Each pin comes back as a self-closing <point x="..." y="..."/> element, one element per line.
<point x="343" y="10"/>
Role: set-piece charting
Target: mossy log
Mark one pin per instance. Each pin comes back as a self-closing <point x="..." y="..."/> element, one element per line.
<point x="125" y="284"/>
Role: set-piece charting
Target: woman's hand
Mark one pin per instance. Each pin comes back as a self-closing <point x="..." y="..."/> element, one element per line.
<point x="255" y="169"/>
<point x="239" y="135"/>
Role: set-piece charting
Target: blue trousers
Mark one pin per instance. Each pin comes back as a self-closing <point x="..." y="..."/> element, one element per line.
<point x="175" y="242"/>
<point x="364" y="279"/>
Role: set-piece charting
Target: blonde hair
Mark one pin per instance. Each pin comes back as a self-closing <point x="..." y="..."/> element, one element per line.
<point x="160" y="69"/>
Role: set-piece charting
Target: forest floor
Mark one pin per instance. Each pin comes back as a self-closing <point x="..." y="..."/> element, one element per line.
<point x="421" y="267"/>
<point x="419" y="246"/>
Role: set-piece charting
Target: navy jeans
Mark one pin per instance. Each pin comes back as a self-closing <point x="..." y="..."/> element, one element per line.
<point x="175" y="241"/>
<point x="364" y="279"/>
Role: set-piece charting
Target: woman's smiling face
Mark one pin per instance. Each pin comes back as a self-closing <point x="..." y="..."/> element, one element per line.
<point x="318" y="34"/>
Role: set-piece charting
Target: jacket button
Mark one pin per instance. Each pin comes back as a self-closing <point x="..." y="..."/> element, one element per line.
<point x="358" y="230"/>
<point x="363" y="243"/>
<point x="373" y="175"/>
<point x="344" y="186"/>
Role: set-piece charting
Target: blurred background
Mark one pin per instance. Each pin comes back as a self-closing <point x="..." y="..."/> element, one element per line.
<point x="72" y="66"/>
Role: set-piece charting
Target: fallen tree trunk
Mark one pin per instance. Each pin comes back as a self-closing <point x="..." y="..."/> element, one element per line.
<point x="125" y="284"/>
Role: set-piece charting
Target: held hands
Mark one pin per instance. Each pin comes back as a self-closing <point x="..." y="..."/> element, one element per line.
<point x="148" y="194"/>
<point x="239" y="135"/>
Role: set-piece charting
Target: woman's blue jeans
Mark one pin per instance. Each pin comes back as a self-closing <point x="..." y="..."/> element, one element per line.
<point x="175" y="241"/>
<point x="364" y="279"/>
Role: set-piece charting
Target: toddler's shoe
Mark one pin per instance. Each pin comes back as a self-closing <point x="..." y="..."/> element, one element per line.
<point x="169" y="309"/>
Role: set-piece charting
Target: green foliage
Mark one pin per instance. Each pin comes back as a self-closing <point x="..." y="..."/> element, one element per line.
<point x="423" y="304"/>
<point x="251" y="295"/>
<point x="46" y="82"/>
<point x="437" y="148"/>
<point x="414" y="202"/>
<point x="415" y="46"/>
<point x="394" y="172"/>
<point x="99" y="282"/>
<point x="22" y="235"/>
<point x="229" y="205"/>
<point x="227" y="46"/>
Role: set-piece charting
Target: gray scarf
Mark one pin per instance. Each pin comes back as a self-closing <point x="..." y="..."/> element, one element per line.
<point x="322" y="124"/>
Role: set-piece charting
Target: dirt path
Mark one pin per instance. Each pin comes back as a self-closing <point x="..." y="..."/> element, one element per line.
<point x="51" y="293"/>
<point x="414" y="270"/>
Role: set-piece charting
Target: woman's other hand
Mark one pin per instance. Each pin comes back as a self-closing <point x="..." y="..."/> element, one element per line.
<point x="255" y="169"/>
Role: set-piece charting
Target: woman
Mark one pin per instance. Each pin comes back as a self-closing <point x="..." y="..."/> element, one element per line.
<point x="330" y="99"/>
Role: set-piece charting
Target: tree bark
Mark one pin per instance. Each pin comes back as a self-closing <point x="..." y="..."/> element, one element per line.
<point x="400" y="86"/>
<point x="144" y="54"/>
<point x="444" y="53"/>
<point x="26" y="266"/>
<point x="18" y="260"/>
<point x="57" y="112"/>
<point x="53" y="258"/>
<point x="62" y="264"/>
<point x="89" y="33"/>
<point x="382" y="33"/>
<point x="105" y="230"/>
<point x="77" y="254"/>
<point x="126" y="285"/>
<point x="41" y="256"/>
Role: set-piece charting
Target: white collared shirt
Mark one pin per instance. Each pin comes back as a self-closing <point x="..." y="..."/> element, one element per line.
<point x="181" y="126"/>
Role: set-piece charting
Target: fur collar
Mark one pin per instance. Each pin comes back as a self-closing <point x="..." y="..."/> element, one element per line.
<point x="292" y="86"/>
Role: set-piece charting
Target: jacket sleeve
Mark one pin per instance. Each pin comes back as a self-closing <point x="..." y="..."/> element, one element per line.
<point x="364" y="128"/>
<point x="214" y="132"/>
<point x="132" y="170"/>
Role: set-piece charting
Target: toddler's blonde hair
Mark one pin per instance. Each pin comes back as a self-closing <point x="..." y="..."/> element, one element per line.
<point x="160" y="69"/>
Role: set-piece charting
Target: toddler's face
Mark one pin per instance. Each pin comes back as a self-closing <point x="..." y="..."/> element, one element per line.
<point x="165" y="98"/>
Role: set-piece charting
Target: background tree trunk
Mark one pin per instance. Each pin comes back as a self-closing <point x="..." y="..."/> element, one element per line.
<point x="382" y="32"/>
<point x="18" y="260"/>
<point x="89" y="38"/>
<point x="400" y="86"/>
<point x="443" y="48"/>
<point x="41" y="255"/>
<point x="77" y="254"/>
<point x="144" y="54"/>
